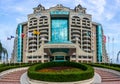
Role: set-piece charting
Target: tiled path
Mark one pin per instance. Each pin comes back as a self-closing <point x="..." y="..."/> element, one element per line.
<point x="108" y="77"/>
<point x="12" y="78"/>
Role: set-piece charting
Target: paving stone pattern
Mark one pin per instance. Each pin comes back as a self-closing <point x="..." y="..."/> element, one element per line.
<point x="12" y="78"/>
<point x="108" y="77"/>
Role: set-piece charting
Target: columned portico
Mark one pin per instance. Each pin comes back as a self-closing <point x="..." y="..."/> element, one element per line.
<point x="61" y="52"/>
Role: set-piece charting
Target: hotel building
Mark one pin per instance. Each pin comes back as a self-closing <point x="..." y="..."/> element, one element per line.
<point x="65" y="34"/>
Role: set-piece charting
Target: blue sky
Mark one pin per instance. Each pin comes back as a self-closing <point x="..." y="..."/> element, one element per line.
<point x="106" y="12"/>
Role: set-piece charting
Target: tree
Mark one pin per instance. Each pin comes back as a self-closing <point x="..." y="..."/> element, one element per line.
<point x="0" y="50"/>
<point x="4" y="52"/>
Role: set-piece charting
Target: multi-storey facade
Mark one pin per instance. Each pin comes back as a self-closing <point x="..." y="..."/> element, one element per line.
<point x="20" y="41"/>
<point x="65" y="34"/>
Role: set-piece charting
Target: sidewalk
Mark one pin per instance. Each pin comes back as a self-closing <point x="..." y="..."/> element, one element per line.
<point x="108" y="76"/>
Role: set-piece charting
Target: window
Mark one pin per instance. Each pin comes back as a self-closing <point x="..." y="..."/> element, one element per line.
<point x="59" y="30"/>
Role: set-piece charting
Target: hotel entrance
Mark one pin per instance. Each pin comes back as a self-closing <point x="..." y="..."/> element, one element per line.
<point x="59" y="54"/>
<point x="59" y="58"/>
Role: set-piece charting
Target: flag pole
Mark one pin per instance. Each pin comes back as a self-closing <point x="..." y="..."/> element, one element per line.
<point x="108" y="48"/>
<point x="27" y="44"/>
<point x="112" y="48"/>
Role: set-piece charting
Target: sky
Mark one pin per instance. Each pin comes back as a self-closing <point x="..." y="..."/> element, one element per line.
<point x="105" y="12"/>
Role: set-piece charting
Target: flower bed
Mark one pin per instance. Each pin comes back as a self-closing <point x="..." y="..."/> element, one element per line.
<point x="83" y="72"/>
<point x="59" y="69"/>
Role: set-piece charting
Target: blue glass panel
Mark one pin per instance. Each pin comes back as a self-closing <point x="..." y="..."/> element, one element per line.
<point x="59" y="12"/>
<point x="59" y="50"/>
<point x="59" y="57"/>
<point x="19" y="50"/>
<point x="99" y="43"/>
<point x="59" y="30"/>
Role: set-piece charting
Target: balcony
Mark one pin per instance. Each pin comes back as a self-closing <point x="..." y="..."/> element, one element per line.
<point x="45" y="39"/>
<point x="86" y="40"/>
<point x="89" y="45"/>
<point x="75" y="35"/>
<point x="32" y="44"/>
<point x="87" y="49"/>
<point x="43" y="31"/>
<point x="86" y="36"/>
<point x="32" y="41"/>
<point x="73" y="39"/>
<point x="43" y="35"/>
<point x="76" y="31"/>
<point x="32" y="49"/>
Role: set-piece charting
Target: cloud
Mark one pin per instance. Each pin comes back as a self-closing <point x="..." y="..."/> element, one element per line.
<point x="94" y="7"/>
<point x="109" y="15"/>
<point x="101" y="10"/>
<point x="20" y="9"/>
<point x="13" y="6"/>
<point x="21" y="19"/>
<point x="117" y="1"/>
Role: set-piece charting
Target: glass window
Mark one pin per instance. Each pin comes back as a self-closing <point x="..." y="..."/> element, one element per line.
<point x="45" y="56"/>
<point x="73" y="56"/>
<point x="59" y="30"/>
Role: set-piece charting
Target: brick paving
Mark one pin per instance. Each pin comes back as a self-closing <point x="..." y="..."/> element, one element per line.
<point x="12" y="77"/>
<point x="108" y="77"/>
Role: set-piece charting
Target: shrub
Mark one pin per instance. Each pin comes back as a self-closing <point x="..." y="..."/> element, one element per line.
<point x="108" y="66"/>
<point x="4" y="67"/>
<point x="87" y="73"/>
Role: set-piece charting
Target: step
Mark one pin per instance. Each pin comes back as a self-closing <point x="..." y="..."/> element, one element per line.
<point x="16" y="78"/>
<point x="11" y="80"/>
<point x="11" y="77"/>
<point x="110" y="77"/>
<point x="105" y="80"/>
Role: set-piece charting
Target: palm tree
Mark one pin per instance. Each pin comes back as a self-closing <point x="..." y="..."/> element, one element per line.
<point x="0" y="51"/>
<point x="4" y="52"/>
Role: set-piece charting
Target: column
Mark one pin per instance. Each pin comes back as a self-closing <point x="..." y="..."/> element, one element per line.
<point x="77" y="49"/>
<point x="42" y="56"/>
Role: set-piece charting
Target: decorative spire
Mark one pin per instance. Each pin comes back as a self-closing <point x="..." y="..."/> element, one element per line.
<point x="79" y="8"/>
<point x="39" y="8"/>
<point x="39" y="5"/>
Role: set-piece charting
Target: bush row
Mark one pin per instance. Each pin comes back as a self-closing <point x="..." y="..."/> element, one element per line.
<point x="60" y="77"/>
<point x="108" y="66"/>
<point x="4" y="67"/>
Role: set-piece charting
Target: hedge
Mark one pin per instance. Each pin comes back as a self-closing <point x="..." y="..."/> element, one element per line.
<point x="60" y="77"/>
<point x="4" y="67"/>
<point x="108" y="66"/>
